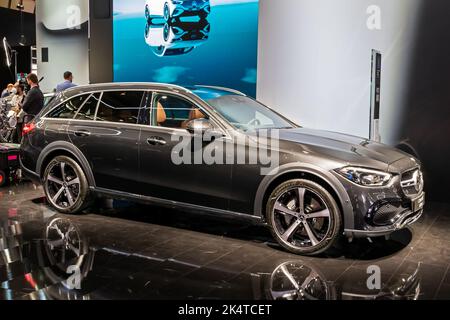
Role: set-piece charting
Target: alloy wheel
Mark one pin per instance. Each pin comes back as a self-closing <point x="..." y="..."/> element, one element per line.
<point x="63" y="241"/>
<point x="62" y="185"/>
<point x="301" y="218"/>
<point x="297" y="281"/>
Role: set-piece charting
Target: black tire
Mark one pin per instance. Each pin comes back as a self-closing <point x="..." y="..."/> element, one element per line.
<point x="80" y="197"/>
<point x="64" y="251"/>
<point x="167" y="16"/>
<point x="4" y="178"/>
<point x="297" y="280"/>
<point x="148" y="16"/>
<point x="323" y="212"/>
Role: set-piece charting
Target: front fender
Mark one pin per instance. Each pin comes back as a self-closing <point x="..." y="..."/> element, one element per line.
<point x="333" y="182"/>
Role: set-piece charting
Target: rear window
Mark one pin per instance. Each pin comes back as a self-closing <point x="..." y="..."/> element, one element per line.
<point x="68" y="109"/>
<point x="120" y="106"/>
<point x="87" y="111"/>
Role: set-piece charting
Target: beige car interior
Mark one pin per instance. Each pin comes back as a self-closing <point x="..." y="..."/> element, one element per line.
<point x="163" y="120"/>
<point x="161" y="115"/>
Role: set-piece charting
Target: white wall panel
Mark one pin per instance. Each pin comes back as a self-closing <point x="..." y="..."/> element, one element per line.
<point x="315" y="55"/>
<point x="68" y="47"/>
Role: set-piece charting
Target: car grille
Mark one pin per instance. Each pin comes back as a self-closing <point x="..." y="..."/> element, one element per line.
<point x="412" y="182"/>
<point x="387" y="214"/>
<point x="390" y="212"/>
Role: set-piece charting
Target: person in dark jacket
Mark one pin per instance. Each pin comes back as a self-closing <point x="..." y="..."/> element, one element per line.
<point x="34" y="102"/>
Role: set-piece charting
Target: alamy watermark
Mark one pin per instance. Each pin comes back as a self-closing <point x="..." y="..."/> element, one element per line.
<point x="74" y="281"/>
<point x="260" y="148"/>
<point x="374" y="280"/>
<point x="374" y="20"/>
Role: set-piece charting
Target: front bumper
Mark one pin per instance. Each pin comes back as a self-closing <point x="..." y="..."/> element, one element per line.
<point x="405" y="220"/>
<point x="381" y="211"/>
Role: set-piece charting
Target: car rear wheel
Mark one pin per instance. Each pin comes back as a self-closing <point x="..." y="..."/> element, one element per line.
<point x="304" y="217"/>
<point x="66" y="186"/>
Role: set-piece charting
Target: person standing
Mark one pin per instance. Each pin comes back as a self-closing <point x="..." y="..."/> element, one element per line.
<point x="19" y="97"/>
<point x="67" y="84"/>
<point x="16" y="103"/>
<point x="7" y="92"/>
<point x="34" y="101"/>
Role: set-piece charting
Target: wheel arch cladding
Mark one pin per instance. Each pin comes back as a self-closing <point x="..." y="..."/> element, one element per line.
<point x="325" y="179"/>
<point x="61" y="148"/>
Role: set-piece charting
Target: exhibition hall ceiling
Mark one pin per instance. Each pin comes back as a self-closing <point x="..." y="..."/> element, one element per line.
<point x="29" y="5"/>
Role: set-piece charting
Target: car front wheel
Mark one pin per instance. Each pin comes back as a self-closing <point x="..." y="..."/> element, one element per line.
<point x="304" y="217"/>
<point x="65" y="185"/>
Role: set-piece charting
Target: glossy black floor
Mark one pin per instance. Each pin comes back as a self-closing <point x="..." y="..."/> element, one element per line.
<point x="130" y="251"/>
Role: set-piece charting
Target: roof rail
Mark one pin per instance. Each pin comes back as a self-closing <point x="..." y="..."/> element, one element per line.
<point x="224" y="89"/>
<point x="172" y="86"/>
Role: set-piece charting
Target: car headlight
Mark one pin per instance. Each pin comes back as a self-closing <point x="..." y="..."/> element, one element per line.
<point x="366" y="177"/>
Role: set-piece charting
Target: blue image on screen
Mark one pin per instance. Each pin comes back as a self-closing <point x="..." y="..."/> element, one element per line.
<point x="190" y="42"/>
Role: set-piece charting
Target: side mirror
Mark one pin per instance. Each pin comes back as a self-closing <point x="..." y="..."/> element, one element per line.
<point x="199" y="126"/>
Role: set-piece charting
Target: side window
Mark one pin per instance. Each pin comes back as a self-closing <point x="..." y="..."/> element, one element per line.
<point x="173" y="112"/>
<point x="68" y="109"/>
<point x="87" y="111"/>
<point x="120" y="106"/>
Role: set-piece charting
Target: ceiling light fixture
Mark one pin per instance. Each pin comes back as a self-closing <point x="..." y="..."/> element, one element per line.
<point x="7" y="49"/>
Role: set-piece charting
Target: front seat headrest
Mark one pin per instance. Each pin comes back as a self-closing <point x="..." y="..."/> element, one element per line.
<point x="196" y="114"/>
<point x="161" y="116"/>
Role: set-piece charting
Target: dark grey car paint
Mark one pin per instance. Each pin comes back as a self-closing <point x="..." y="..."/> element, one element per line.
<point x="118" y="160"/>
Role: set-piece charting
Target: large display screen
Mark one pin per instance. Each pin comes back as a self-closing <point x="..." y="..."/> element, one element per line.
<point x="187" y="42"/>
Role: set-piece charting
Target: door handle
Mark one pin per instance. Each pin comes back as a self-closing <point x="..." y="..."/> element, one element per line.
<point x="82" y="133"/>
<point x="156" y="141"/>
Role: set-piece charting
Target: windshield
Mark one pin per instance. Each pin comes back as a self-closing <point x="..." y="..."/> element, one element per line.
<point x="247" y="114"/>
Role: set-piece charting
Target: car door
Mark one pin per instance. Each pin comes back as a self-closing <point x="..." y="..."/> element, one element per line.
<point x="165" y="141"/>
<point x="105" y="129"/>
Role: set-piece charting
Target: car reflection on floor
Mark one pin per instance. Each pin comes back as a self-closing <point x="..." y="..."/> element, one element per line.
<point x="108" y="254"/>
<point x="61" y="263"/>
<point x="176" y="39"/>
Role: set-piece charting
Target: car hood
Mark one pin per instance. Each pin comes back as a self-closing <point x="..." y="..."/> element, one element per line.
<point x="346" y="148"/>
